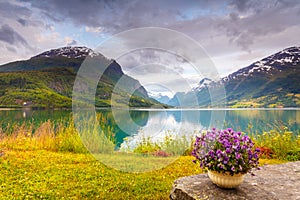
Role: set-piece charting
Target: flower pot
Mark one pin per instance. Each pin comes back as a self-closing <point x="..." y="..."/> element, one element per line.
<point x="226" y="180"/>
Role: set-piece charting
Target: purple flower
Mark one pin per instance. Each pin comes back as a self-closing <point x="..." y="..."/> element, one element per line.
<point x="228" y="150"/>
<point x="225" y="161"/>
<point x="225" y="150"/>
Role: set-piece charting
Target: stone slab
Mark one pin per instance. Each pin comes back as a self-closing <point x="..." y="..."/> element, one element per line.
<point x="280" y="182"/>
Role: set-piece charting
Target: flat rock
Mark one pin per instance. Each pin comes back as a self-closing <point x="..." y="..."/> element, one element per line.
<point x="271" y="182"/>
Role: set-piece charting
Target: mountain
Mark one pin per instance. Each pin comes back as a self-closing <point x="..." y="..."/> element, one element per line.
<point x="70" y="57"/>
<point x="204" y="83"/>
<point x="271" y="82"/>
<point x="47" y="79"/>
<point x="164" y="99"/>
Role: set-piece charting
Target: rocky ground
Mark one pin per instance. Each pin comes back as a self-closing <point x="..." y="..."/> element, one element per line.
<point x="271" y="182"/>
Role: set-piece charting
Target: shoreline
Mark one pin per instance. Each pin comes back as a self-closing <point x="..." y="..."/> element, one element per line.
<point x="150" y="109"/>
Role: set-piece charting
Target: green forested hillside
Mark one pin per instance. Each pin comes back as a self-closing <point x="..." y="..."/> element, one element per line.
<point x="36" y="88"/>
<point x="47" y="80"/>
<point x="53" y="89"/>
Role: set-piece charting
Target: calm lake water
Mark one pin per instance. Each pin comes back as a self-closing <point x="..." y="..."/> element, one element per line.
<point x="157" y="123"/>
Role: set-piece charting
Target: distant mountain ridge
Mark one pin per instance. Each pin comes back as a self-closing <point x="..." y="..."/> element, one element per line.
<point x="159" y="97"/>
<point x="273" y="81"/>
<point x="46" y="80"/>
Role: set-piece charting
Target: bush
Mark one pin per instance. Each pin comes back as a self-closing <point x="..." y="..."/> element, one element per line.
<point x="146" y="146"/>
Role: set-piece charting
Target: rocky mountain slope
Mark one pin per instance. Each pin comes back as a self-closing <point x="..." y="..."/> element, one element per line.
<point x="271" y="82"/>
<point x="46" y="80"/>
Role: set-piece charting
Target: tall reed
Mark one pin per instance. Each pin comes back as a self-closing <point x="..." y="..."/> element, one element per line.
<point x="58" y="136"/>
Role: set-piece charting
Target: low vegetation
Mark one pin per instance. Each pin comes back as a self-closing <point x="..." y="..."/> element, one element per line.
<point x="283" y="145"/>
<point x="52" y="88"/>
<point x="50" y="162"/>
<point x="268" y="101"/>
<point x="43" y="174"/>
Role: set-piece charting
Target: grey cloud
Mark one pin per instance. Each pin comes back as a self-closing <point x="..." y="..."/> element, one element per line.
<point x="8" y="35"/>
<point x="23" y="22"/>
<point x="21" y="14"/>
<point x="172" y="81"/>
<point x="11" y="49"/>
<point x="36" y="23"/>
<point x="14" y="11"/>
<point x="116" y="16"/>
<point x="259" y="20"/>
<point x="241" y="5"/>
<point x="152" y="69"/>
<point x="152" y="61"/>
<point x="240" y="22"/>
<point x="80" y="12"/>
<point x="53" y="16"/>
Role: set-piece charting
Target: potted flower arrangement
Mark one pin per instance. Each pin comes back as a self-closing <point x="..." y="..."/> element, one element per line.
<point x="227" y="155"/>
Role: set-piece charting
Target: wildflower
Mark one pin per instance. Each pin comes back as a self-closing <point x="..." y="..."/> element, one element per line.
<point x="226" y="151"/>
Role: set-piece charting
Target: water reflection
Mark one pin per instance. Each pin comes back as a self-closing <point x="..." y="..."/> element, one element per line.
<point x="124" y="122"/>
<point x="182" y="122"/>
<point x="135" y="124"/>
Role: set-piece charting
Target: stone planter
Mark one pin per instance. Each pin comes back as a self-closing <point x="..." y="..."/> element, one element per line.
<point x="226" y="180"/>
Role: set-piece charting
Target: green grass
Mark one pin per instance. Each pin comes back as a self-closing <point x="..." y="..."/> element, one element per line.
<point x="43" y="174"/>
<point x="129" y="162"/>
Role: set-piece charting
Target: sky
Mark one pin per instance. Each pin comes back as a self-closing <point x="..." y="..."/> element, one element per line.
<point x="233" y="33"/>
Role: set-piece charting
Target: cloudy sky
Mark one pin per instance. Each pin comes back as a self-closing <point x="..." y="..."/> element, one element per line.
<point x="232" y="33"/>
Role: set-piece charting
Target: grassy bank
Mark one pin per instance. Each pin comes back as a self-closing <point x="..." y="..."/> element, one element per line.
<point x="50" y="175"/>
<point x="42" y="174"/>
<point x="50" y="162"/>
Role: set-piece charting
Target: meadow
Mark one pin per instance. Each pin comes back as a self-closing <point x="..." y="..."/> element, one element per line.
<point x="50" y="162"/>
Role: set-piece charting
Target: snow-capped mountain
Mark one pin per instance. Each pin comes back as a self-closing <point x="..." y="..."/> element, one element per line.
<point x="68" y="52"/>
<point x="55" y="70"/>
<point x="273" y="81"/>
<point x="204" y="83"/>
<point x="159" y="97"/>
<point x="271" y="64"/>
<point x="65" y="56"/>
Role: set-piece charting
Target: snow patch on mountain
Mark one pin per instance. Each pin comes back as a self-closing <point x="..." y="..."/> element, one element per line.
<point x="279" y="61"/>
<point x="68" y="52"/>
<point x="284" y="58"/>
<point x="160" y="97"/>
<point x="204" y="83"/>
